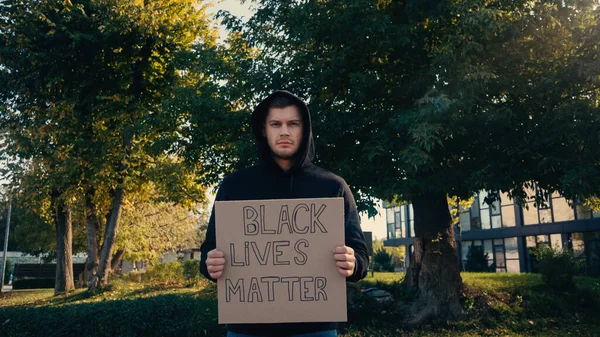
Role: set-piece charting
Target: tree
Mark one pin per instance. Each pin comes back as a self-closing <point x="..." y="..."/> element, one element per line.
<point x="436" y="98"/>
<point x="87" y="87"/>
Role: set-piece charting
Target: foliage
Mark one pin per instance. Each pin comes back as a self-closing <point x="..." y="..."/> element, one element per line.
<point x="558" y="267"/>
<point x="477" y="260"/>
<point x="382" y="261"/>
<point x="108" y="125"/>
<point x="191" y="271"/>
<point x="170" y="272"/>
<point x="135" y="309"/>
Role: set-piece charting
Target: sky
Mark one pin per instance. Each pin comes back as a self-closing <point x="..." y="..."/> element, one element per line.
<point x="376" y="225"/>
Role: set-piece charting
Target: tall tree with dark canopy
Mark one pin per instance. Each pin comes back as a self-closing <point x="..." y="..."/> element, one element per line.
<point x="87" y="89"/>
<point x="417" y="100"/>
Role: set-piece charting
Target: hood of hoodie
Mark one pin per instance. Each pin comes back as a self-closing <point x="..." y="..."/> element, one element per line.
<point x="305" y="153"/>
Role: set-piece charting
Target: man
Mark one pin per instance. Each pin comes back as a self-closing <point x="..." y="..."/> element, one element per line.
<point x="282" y="128"/>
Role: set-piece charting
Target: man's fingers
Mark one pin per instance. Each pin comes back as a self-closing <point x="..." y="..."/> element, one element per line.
<point x="216" y="275"/>
<point x="344" y="257"/>
<point x="345" y="272"/>
<point x="215" y="261"/>
<point x="345" y="265"/>
<point x="213" y="268"/>
<point x="215" y="254"/>
<point x="343" y="250"/>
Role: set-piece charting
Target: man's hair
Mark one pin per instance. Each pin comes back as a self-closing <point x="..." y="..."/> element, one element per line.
<point x="281" y="102"/>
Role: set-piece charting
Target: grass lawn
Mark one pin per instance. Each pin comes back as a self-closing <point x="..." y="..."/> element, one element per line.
<point x="496" y="305"/>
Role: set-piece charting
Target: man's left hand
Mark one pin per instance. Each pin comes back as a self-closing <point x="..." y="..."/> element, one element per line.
<point x="345" y="260"/>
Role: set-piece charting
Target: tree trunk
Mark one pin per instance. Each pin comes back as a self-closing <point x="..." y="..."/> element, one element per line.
<point x="110" y="235"/>
<point x="434" y="272"/>
<point x="64" y="259"/>
<point x="110" y="232"/>
<point x="114" y="263"/>
<point x="92" y="228"/>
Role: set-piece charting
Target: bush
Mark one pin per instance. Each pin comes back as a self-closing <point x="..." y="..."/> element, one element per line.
<point x="477" y="260"/>
<point x="191" y="270"/>
<point x="33" y="283"/>
<point x="382" y="261"/>
<point x="557" y="266"/>
<point x="171" y="272"/>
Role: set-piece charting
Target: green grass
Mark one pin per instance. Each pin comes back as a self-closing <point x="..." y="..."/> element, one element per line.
<point x="496" y="305"/>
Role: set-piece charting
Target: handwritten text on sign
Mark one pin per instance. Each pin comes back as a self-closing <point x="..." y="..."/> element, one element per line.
<point x="279" y="264"/>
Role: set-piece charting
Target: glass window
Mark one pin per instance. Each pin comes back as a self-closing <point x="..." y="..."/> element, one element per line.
<point x="465" y="221"/>
<point x="530" y="216"/>
<point x="543" y="240"/>
<point x="499" y="254"/>
<point x="596" y="214"/>
<point x="487" y="248"/>
<point x="465" y="249"/>
<point x="562" y="210"/>
<point x="411" y="220"/>
<point x="475" y="218"/>
<point x="583" y="212"/>
<point x="512" y="251"/>
<point x="530" y="242"/>
<point x="512" y="266"/>
<point x="485" y="219"/>
<point x="495" y="207"/>
<point x="398" y="225"/>
<point x="546" y="215"/>
<point x="390" y="231"/>
<point x="505" y="199"/>
<point x="389" y="215"/>
<point x="577" y="243"/>
<point x="556" y="241"/>
<point x="508" y="216"/>
<point x="496" y="221"/>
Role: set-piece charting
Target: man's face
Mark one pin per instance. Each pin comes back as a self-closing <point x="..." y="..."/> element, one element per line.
<point x="283" y="130"/>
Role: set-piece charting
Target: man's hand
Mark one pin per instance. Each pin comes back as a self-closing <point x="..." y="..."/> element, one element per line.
<point x="215" y="261"/>
<point x="345" y="260"/>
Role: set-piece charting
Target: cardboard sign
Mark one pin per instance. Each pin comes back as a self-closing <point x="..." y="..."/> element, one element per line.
<point x="279" y="265"/>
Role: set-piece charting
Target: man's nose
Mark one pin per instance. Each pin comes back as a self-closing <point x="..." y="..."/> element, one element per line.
<point x="285" y="130"/>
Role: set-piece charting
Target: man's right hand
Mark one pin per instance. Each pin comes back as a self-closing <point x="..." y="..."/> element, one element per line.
<point x="215" y="261"/>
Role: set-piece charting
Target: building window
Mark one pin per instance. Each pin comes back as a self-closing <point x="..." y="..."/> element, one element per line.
<point x="411" y="220"/>
<point x="398" y="222"/>
<point x="499" y="257"/>
<point x="512" y="255"/>
<point x="389" y="215"/>
<point x="561" y="209"/>
<point x="508" y="211"/>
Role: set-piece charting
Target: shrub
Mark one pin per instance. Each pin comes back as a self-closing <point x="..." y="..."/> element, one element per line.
<point x="557" y="266"/>
<point x="382" y="261"/>
<point x="191" y="270"/>
<point x="33" y="283"/>
<point x="171" y="272"/>
<point x="477" y="260"/>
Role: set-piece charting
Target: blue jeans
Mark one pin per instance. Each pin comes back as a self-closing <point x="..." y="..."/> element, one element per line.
<point x="327" y="333"/>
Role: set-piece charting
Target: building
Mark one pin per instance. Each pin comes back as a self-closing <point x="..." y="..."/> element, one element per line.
<point x="507" y="231"/>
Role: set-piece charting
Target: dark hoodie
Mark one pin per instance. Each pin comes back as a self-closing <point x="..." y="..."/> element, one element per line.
<point x="303" y="180"/>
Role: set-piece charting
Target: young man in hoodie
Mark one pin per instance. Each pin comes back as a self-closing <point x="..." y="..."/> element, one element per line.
<point x="282" y="127"/>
